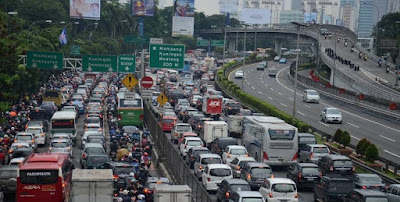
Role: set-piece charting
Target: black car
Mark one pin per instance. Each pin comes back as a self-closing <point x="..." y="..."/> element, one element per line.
<point x="368" y="181"/>
<point x="22" y="152"/>
<point x="333" y="163"/>
<point x="192" y="152"/>
<point x="231" y="108"/>
<point x="230" y="185"/>
<point x="305" y="175"/>
<point x="219" y="144"/>
<point x="366" y="195"/>
<point x="174" y="96"/>
<point x="120" y="171"/>
<point x="304" y="139"/>
<point x="39" y="113"/>
<point x="194" y="120"/>
<point x="95" y="161"/>
<point x="333" y="188"/>
<point x="255" y="173"/>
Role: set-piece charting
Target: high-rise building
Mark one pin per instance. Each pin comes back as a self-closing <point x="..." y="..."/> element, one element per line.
<point x="291" y="16"/>
<point x="365" y="18"/>
<point x="347" y="16"/>
<point x="296" y="4"/>
<point x="326" y="11"/>
<point x="393" y="6"/>
<point x="273" y="6"/>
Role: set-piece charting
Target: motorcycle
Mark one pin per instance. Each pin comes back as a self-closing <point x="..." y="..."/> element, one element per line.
<point x="338" y="40"/>
<point x="352" y="49"/>
<point x="345" y="44"/>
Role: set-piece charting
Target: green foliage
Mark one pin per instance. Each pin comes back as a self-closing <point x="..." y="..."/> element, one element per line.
<point x="338" y="135"/>
<point x="372" y="153"/>
<point x="345" y="139"/>
<point x="362" y="146"/>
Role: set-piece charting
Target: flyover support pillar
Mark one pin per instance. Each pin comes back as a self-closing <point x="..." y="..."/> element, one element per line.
<point x="331" y="79"/>
<point x="231" y="45"/>
<point x="278" y="47"/>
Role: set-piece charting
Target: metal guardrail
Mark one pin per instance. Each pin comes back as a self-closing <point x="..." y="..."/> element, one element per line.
<point x="172" y="158"/>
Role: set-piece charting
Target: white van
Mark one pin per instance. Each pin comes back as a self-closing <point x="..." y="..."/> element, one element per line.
<point x="214" y="174"/>
<point x="279" y="189"/>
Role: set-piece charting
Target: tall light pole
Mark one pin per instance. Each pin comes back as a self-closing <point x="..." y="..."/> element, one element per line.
<point x="297" y="66"/>
<point x="398" y="64"/>
<point x="223" y="54"/>
<point x="376" y="26"/>
<point x="244" y="54"/>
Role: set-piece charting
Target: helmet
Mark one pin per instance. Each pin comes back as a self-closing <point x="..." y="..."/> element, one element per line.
<point x="147" y="147"/>
<point x="125" y="192"/>
<point x="119" y="199"/>
<point x="141" y="197"/>
<point x="132" y="174"/>
<point x="5" y="136"/>
<point x="12" y="128"/>
<point x="145" y="154"/>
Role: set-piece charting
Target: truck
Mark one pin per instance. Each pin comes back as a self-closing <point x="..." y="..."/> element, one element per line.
<point x="214" y="129"/>
<point x="235" y="125"/>
<point x="212" y="105"/>
<point x="172" y="193"/>
<point x="92" y="185"/>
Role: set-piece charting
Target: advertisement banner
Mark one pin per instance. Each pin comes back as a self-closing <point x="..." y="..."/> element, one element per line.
<point x="182" y="26"/>
<point x="228" y="6"/>
<point x="310" y="18"/>
<point x="143" y="7"/>
<point x="184" y="8"/>
<point x="84" y="9"/>
<point x="256" y="16"/>
<point x="327" y="19"/>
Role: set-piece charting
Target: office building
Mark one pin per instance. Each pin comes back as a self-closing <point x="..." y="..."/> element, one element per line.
<point x="291" y="16"/>
<point x="326" y="11"/>
<point x="365" y="18"/>
<point x="393" y="6"/>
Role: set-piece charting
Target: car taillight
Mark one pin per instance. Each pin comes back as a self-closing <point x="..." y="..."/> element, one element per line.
<point x="311" y="155"/>
<point x="296" y="195"/>
<point x="331" y="168"/>
<point x="200" y="167"/>
<point x="84" y="156"/>
<point x="227" y="195"/>
<point x="265" y="156"/>
<point x="146" y="191"/>
<point x="185" y="146"/>
<point x="192" y="157"/>
<point x="295" y="157"/>
<point x="299" y="176"/>
<point x="42" y="134"/>
<point x="270" y="195"/>
<point x="208" y="179"/>
<point x="176" y="134"/>
<point x="272" y="176"/>
<point x="237" y="167"/>
<point x="364" y="187"/>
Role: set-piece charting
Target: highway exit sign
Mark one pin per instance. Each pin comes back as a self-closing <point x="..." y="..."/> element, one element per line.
<point x="202" y="42"/>
<point x="99" y="63"/>
<point x="126" y="63"/>
<point x="44" y="60"/>
<point x="215" y="43"/>
<point x="169" y="56"/>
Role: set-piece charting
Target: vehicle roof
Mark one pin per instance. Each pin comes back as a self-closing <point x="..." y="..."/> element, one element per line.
<point x="308" y="165"/>
<point x="209" y="155"/>
<point x="280" y="180"/>
<point x="182" y="124"/>
<point x="91" y="144"/>
<point x="245" y="158"/>
<point x="236" y="181"/>
<point x="370" y="192"/>
<point x="249" y="193"/>
<point x="43" y="161"/>
<point x="236" y="147"/>
<point x="24" y="133"/>
<point x="64" y="115"/>
<point x="218" y="165"/>
<point x="395" y="185"/>
<point x="366" y="175"/>
<point x="306" y="135"/>
<point x="60" y="140"/>
<point x="199" y="148"/>
<point x="257" y="164"/>
<point x="158" y="179"/>
<point x="317" y="145"/>
<point x="338" y="157"/>
<point x="192" y="138"/>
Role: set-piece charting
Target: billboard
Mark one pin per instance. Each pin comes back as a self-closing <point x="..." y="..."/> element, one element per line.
<point x="256" y="16"/>
<point x="184" y="8"/>
<point x="327" y="19"/>
<point x="310" y="18"/>
<point x="182" y="26"/>
<point x="143" y="7"/>
<point x="228" y="6"/>
<point x="84" y="9"/>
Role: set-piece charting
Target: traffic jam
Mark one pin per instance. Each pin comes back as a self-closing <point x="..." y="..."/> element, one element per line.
<point x="79" y="128"/>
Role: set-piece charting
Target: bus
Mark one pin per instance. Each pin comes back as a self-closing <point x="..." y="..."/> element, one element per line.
<point x="270" y="139"/>
<point x="64" y="122"/>
<point x="44" y="177"/>
<point x="130" y="109"/>
<point x="53" y="96"/>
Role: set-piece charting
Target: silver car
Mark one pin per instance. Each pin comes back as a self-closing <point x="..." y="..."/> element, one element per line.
<point x="204" y="159"/>
<point x="61" y="146"/>
<point x="331" y="115"/>
<point x="313" y="152"/>
<point x="393" y="192"/>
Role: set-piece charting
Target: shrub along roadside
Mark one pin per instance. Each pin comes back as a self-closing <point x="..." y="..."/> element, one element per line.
<point x="257" y="103"/>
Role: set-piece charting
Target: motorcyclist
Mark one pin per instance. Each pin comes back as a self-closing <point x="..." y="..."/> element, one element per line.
<point x="125" y="197"/>
<point x="114" y="146"/>
<point x="122" y="152"/>
<point x="338" y="40"/>
<point x="145" y="159"/>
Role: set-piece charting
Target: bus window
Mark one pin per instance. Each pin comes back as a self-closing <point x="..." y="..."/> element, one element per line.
<point x="38" y="176"/>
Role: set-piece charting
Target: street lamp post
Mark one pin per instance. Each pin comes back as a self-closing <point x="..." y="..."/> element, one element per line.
<point x="398" y="64"/>
<point x="223" y="54"/>
<point x="244" y="54"/>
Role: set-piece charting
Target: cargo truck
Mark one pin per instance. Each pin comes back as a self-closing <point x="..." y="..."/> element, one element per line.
<point x="212" y="106"/>
<point x="92" y="185"/>
<point x="214" y="129"/>
<point x="172" y="193"/>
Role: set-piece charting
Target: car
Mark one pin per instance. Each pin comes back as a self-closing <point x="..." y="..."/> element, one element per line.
<point x="96" y="139"/>
<point x="282" y="61"/>
<point x="219" y="144"/>
<point x="239" y="74"/>
<point x="304" y="139"/>
<point x="194" y="120"/>
<point x="91" y="148"/>
<point x="8" y="178"/>
<point x="232" y="151"/>
<point x="86" y="134"/>
<point x="61" y="145"/>
<point x="255" y="173"/>
<point x="26" y="137"/>
<point x="178" y="130"/>
<point x="237" y="164"/>
<point x="365" y="195"/>
<point x="65" y="136"/>
<point x="393" y="192"/>
<point x="228" y="186"/>
<point x="119" y="169"/>
<point x="89" y="120"/>
<point x="150" y="185"/>
<point x="331" y="115"/>
<point x="191" y="155"/>
<point x="16" y="161"/>
<point x="40" y="135"/>
<point x="305" y="175"/>
<point x="310" y="96"/>
<point x="202" y="160"/>
<point x="95" y="161"/>
<point x="231" y="108"/>
<point x="260" y="67"/>
<point x="368" y="181"/>
<point x="334" y="163"/>
<point x="333" y="188"/>
<point x="313" y="152"/>
<point x="184" y="135"/>
<point x="279" y="189"/>
<point x="277" y="58"/>
<point x="37" y="124"/>
<point x="213" y="175"/>
<point x="272" y="72"/>
<point x="17" y="145"/>
<point x="189" y="142"/>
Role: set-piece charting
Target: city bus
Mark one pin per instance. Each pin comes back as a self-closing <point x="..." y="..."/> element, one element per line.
<point x="64" y="122"/>
<point x="130" y="109"/>
<point x="44" y="177"/>
<point x="270" y="140"/>
<point x="53" y="96"/>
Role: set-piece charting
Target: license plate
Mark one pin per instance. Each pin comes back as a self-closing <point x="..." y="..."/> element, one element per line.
<point x="310" y="179"/>
<point x="283" y="200"/>
<point x="280" y="160"/>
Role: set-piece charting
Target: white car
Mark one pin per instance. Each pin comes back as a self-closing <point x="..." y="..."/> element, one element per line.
<point x="40" y="135"/>
<point x="237" y="164"/>
<point x="214" y="174"/>
<point x="94" y="127"/>
<point x="26" y="137"/>
<point x="232" y="151"/>
<point x="202" y="160"/>
<point x="277" y="58"/>
<point x="188" y="143"/>
<point x="16" y="161"/>
<point x="245" y="196"/>
<point x="331" y="115"/>
<point x="239" y="74"/>
<point x="310" y="96"/>
<point x="279" y="189"/>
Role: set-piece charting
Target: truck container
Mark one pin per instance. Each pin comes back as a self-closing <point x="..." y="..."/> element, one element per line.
<point x="235" y="125"/>
<point x="172" y="193"/>
<point x="214" y="129"/>
<point x="212" y="105"/>
<point x="92" y="185"/>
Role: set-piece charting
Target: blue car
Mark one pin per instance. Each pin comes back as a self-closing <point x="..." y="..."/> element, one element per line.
<point x="282" y="61"/>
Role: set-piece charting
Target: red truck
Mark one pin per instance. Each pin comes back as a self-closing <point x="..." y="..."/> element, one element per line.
<point x="212" y="105"/>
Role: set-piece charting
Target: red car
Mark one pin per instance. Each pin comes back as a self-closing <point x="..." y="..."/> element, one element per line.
<point x="186" y="135"/>
<point x="167" y="123"/>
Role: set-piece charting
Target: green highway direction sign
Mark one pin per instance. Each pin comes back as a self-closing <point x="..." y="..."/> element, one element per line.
<point x="136" y="39"/>
<point x="99" y="63"/>
<point x="202" y="42"/>
<point x="44" y="60"/>
<point x="167" y="56"/>
<point x="215" y="43"/>
<point x="126" y="63"/>
<point x="75" y="50"/>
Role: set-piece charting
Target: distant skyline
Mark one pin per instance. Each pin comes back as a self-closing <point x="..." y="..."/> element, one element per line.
<point x="208" y="7"/>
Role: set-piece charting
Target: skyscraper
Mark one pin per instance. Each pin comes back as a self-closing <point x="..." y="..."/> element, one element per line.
<point x="365" y="19"/>
<point x="393" y="6"/>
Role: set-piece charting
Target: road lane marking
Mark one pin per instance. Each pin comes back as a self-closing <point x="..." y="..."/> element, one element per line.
<point x="353" y="125"/>
<point x="391" y="153"/>
<point x="271" y="89"/>
<point x="266" y="85"/>
<point x="308" y="106"/>
<point x="248" y="83"/>
<point x="291" y="99"/>
<point x="270" y="98"/>
<point x="355" y="137"/>
<point x="392" y="140"/>
<point x="301" y="113"/>
<point x="262" y="81"/>
<point x="260" y="92"/>
<point x="283" y="104"/>
<point x="253" y="88"/>
<point x="280" y="93"/>
<point x="323" y="124"/>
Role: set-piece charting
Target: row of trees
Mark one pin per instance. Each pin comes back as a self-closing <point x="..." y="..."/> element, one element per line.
<point x="389" y="28"/>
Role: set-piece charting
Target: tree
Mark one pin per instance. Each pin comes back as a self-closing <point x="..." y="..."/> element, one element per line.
<point x="360" y="148"/>
<point x="372" y="153"/>
<point x="338" y="135"/>
<point x="345" y="139"/>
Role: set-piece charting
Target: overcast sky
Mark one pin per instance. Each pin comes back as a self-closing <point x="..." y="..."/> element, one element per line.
<point x="209" y="7"/>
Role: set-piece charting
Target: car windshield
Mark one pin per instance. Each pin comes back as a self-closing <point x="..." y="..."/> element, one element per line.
<point x="194" y="143"/>
<point x="238" y="151"/>
<point x="261" y="170"/>
<point x="223" y="144"/>
<point x="94" y="150"/>
<point x="307" y="140"/>
<point x="342" y="163"/>
<point x="220" y="172"/>
<point x="321" y="150"/>
<point x="33" y="131"/>
<point x="341" y="186"/>
<point x="239" y="187"/>
<point x="181" y="128"/>
<point x="126" y="169"/>
<point x="23" y="153"/>
<point x="252" y="199"/>
<point x="371" y="180"/>
<point x="242" y="163"/>
<point x="312" y="93"/>
<point x="24" y="137"/>
<point x="283" y="187"/>
<point x="332" y="111"/>
<point x="168" y="120"/>
<point x="376" y="199"/>
<point x="310" y="170"/>
<point x="59" y="144"/>
<point x="211" y="161"/>
<point x="97" y="159"/>
<point x="195" y="152"/>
